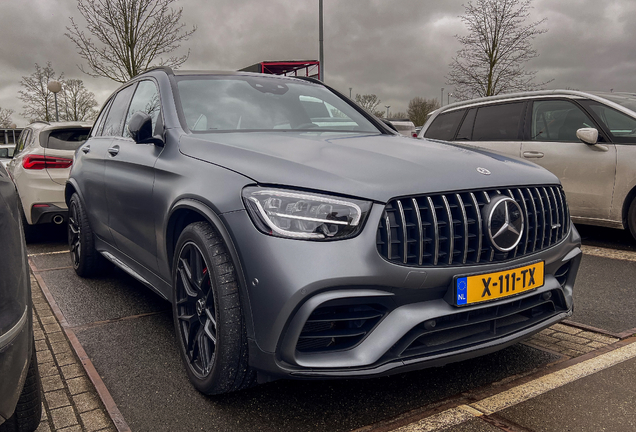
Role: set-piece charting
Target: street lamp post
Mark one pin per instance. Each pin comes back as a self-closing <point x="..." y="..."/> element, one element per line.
<point x="441" y="99"/>
<point x="350" y="88"/>
<point x="387" y="110"/>
<point x="448" y="96"/>
<point x="320" y="37"/>
<point x="55" y="87"/>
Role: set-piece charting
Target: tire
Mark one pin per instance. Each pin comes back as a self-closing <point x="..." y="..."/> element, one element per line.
<point x="86" y="260"/>
<point x="28" y="412"/>
<point x="631" y="218"/>
<point x="209" y="322"/>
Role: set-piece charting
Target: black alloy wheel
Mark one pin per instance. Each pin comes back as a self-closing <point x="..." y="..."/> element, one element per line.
<point x="196" y="312"/>
<point x="86" y="260"/>
<point x="207" y="313"/>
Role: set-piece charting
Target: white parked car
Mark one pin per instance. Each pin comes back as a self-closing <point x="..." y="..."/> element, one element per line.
<point x="587" y="139"/>
<point x="404" y="126"/>
<point x="40" y="167"/>
<point x="6" y="153"/>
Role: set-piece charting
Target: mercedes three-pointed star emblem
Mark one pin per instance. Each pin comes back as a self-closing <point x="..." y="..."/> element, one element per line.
<point x="504" y="223"/>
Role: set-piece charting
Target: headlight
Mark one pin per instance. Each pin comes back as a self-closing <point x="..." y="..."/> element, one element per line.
<point x="301" y="215"/>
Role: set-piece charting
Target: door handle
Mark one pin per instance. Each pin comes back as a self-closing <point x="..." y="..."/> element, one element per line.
<point x="113" y="150"/>
<point x="532" y="154"/>
<point x="86" y="148"/>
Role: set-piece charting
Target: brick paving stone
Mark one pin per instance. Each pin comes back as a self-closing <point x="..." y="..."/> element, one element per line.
<point x="57" y="337"/>
<point x="57" y="399"/>
<point x="41" y="345"/>
<point x="576" y="347"/>
<point x="53" y="382"/>
<point x="79" y="385"/>
<point x="86" y="402"/>
<point x="48" y="320"/>
<point x="547" y="332"/>
<point x="52" y="328"/>
<point x="546" y="345"/>
<point x="44" y="356"/>
<point x="76" y="428"/>
<point x="94" y="420"/>
<point x="566" y="329"/>
<point x="60" y="347"/>
<point x="63" y="417"/>
<point x="596" y="344"/>
<point x="72" y="371"/>
<point x="38" y="335"/>
<point x="598" y="337"/>
<point x="64" y="359"/>
<point x="43" y="427"/>
<point x="546" y="339"/>
<point x="47" y="369"/>
<point x="571" y="353"/>
<point x="571" y="338"/>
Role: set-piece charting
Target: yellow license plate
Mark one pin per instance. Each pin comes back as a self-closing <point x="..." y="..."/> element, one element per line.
<point x="491" y="286"/>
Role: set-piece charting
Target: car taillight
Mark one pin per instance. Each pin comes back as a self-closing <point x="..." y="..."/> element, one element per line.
<point x="41" y="162"/>
<point x="414" y="134"/>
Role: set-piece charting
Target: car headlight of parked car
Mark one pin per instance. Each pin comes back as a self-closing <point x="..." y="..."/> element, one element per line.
<point x="302" y="215"/>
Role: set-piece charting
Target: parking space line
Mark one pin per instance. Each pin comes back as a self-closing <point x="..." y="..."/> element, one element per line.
<point x="609" y="253"/>
<point x="47" y="253"/>
<point x="522" y="392"/>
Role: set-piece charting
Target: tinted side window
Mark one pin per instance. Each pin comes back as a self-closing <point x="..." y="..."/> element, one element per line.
<point x="99" y="123"/>
<point x="466" y="129"/>
<point x="621" y="126"/>
<point x="66" y="139"/>
<point x="444" y="126"/>
<point x="23" y="140"/>
<point x="557" y="120"/>
<point x="114" y="124"/>
<point x="498" y="122"/>
<point x="146" y="100"/>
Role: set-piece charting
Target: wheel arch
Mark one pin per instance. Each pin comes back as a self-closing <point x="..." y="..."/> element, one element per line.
<point x="187" y="211"/>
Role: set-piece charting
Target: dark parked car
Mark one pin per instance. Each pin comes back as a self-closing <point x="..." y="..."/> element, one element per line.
<point x="20" y="397"/>
<point x="291" y="247"/>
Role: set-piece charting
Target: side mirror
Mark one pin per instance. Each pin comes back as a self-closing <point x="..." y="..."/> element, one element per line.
<point x="140" y="128"/>
<point x="587" y="135"/>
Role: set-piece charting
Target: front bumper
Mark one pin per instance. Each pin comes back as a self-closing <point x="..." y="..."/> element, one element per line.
<point x="289" y="282"/>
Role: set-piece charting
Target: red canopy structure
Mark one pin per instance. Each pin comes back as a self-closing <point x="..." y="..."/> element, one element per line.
<point x="309" y="68"/>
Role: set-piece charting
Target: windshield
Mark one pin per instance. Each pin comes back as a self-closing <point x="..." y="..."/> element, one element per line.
<point x="244" y="103"/>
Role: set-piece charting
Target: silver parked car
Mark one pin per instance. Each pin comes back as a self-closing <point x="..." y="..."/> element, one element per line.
<point x="587" y="139"/>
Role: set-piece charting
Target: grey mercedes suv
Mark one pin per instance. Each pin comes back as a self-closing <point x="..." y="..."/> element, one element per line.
<point x="299" y="237"/>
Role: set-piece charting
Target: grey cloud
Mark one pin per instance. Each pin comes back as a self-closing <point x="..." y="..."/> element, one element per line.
<point x="396" y="49"/>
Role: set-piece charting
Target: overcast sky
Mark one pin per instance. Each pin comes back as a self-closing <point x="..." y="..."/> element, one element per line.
<point x="396" y="49"/>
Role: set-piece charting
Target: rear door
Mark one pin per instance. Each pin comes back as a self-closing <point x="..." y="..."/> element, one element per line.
<point x="495" y="127"/>
<point x="586" y="171"/>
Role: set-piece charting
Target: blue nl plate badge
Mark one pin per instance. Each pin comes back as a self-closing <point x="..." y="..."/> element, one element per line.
<point x="462" y="293"/>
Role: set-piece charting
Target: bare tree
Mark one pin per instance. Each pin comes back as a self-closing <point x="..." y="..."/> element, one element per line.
<point x="420" y="108"/>
<point x="38" y="100"/>
<point x="495" y="50"/>
<point x="369" y="102"/>
<point x="78" y="104"/>
<point x="5" y="118"/>
<point x="398" y="115"/>
<point x="130" y="36"/>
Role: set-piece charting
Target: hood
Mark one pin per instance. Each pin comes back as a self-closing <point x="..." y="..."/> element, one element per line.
<point x="376" y="167"/>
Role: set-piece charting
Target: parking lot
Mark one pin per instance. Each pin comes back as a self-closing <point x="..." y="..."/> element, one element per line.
<point x="127" y="333"/>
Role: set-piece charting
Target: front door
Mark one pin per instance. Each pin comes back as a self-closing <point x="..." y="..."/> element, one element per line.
<point x="586" y="171"/>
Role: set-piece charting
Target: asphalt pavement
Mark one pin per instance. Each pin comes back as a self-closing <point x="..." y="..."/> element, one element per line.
<point x="127" y="333"/>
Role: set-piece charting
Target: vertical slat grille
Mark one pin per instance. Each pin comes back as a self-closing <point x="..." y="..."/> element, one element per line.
<point x="448" y="229"/>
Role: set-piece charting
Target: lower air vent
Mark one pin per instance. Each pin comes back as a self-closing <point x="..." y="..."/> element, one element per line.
<point x="457" y="331"/>
<point x="331" y="328"/>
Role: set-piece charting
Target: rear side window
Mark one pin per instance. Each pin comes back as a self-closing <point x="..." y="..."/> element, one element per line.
<point x="498" y="122"/>
<point x="557" y="120"/>
<point x="114" y="124"/>
<point x="444" y="126"/>
<point x="65" y="139"/>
